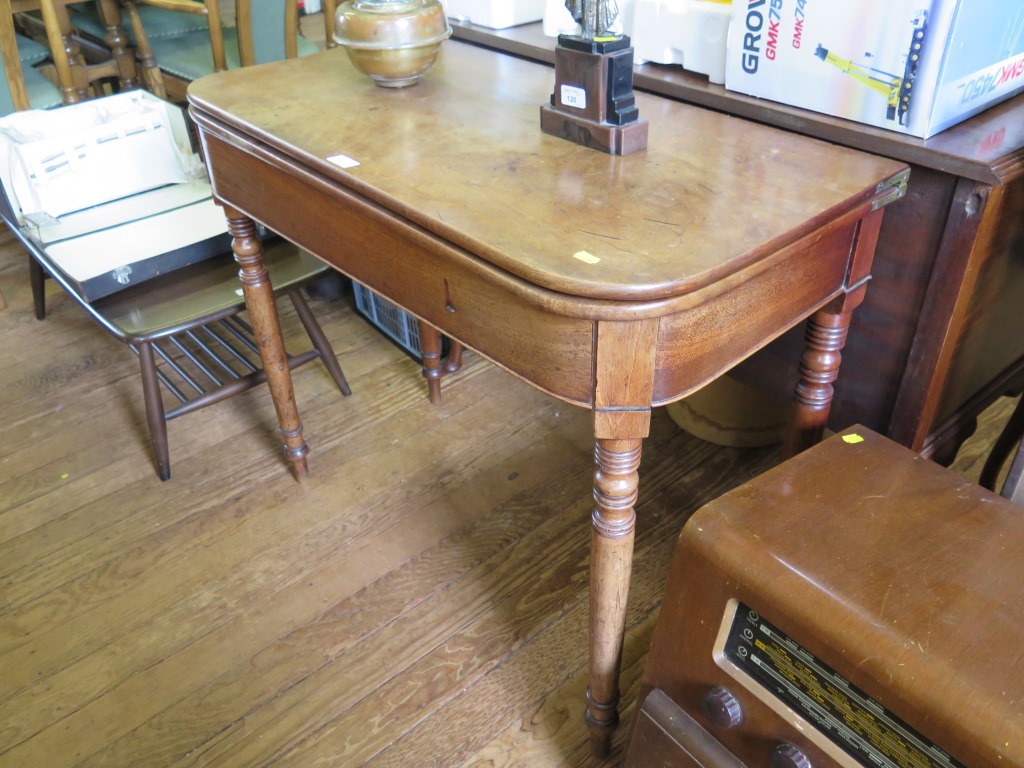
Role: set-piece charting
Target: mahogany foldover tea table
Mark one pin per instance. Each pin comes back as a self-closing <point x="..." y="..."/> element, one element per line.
<point x="616" y="283"/>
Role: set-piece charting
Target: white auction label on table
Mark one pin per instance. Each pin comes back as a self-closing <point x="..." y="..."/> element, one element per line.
<point x="574" y="96"/>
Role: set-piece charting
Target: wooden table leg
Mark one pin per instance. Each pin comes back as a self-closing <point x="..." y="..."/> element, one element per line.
<point x="434" y="367"/>
<point x="453" y="360"/>
<point x="827" y="330"/>
<point x="430" y="348"/>
<point x="259" y="299"/>
<point x="826" y="336"/>
<point x="613" y="524"/>
<point x="623" y="389"/>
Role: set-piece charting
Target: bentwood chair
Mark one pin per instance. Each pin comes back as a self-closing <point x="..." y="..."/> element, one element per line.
<point x="187" y="39"/>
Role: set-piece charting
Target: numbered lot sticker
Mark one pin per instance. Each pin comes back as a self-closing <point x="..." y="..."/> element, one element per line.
<point x="574" y="96"/>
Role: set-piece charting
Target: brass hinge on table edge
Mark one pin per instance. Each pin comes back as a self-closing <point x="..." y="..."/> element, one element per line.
<point x="891" y="190"/>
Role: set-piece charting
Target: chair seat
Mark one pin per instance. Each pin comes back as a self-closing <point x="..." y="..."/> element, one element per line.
<point x="200" y="293"/>
<point x="30" y="52"/>
<point x="42" y="94"/>
<point x="186" y="329"/>
<point x="158" y="23"/>
<point x="189" y="56"/>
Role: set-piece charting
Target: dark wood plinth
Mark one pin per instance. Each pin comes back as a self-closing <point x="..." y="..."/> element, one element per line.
<point x="613" y="139"/>
<point x="593" y="103"/>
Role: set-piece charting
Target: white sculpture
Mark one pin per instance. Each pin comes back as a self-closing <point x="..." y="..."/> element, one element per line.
<point x="595" y="17"/>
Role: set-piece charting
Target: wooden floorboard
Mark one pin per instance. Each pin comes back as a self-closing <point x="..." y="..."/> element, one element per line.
<point x="421" y="601"/>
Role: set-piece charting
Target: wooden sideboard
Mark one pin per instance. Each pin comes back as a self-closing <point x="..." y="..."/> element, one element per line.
<point x="939" y="336"/>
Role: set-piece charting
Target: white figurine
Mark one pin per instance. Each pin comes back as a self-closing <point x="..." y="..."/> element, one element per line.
<point x="595" y="17"/>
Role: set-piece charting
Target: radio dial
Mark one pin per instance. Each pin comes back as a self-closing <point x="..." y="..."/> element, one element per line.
<point x="789" y="756"/>
<point x="722" y="708"/>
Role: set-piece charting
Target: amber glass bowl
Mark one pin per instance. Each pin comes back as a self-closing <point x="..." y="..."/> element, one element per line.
<point x="393" y="41"/>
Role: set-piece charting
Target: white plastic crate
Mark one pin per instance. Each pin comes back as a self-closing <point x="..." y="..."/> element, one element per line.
<point x="495" y="14"/>
<point x="691" y="33"/>
<point x="395" y="322"/>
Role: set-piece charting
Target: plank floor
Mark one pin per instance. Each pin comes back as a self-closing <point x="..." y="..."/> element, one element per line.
<point x="422" y="601"/>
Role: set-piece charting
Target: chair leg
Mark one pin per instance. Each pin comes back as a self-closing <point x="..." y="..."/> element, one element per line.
<point x="1013" y="487"/>
<point x="154" y="411"/>
<point x="37" y="278"/>
<point x="1002" y="447"/>
<point x="117" y="43"/>
<point x="152" y="76"/>
<point x="316" y="335"/>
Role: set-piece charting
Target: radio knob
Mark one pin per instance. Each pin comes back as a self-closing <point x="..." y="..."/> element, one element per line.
<point x="722" y="708"/>
<point x="789" y="756"/>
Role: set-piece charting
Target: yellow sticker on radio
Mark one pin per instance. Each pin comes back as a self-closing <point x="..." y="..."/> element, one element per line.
<point x="853" y="439"/>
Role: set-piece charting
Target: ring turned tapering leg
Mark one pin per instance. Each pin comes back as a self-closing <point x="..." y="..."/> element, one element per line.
<point x="430" y="348"/>
<point x="259" y="299"/>
<point x="616" y="481"/>
<point x="819" y="368"/>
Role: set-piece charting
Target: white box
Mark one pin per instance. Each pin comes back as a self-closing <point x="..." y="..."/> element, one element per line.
<point x="46" y="229"/>
<point x="913" y="66"/>
<point x="106" y="260"/>
<point x="58" y="161"/>
<point x="558" y="20"/>
<point x="690" y="33"/>
<point x="109" y="191"/>
<point x="496" y="14"/>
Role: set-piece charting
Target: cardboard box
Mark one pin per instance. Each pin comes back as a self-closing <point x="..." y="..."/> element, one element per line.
<point x="496" y="14"/>
<point x="914" y="66"/>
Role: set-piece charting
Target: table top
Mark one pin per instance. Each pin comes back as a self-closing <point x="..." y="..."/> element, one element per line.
<point x="462" y="156"/>
<point x="988" y="147"/>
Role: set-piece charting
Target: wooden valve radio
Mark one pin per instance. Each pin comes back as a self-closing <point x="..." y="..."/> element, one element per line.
<point x="855" y="606"/>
